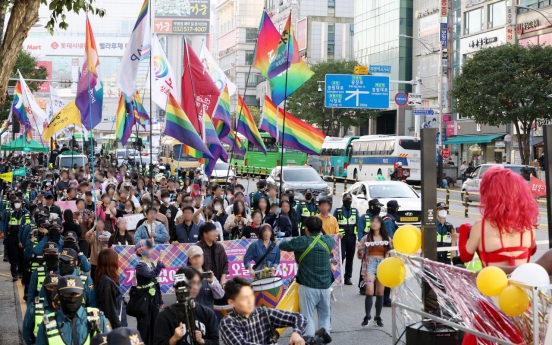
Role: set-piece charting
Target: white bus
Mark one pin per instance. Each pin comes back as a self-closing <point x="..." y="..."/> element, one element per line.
<point x="376" y="154"/>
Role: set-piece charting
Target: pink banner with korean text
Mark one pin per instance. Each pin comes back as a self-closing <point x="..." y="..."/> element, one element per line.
<point x="175" y="257"/>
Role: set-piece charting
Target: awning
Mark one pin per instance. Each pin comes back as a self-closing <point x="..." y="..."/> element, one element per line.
<point x="537" y="140"/>
<point x="473" y="139"/>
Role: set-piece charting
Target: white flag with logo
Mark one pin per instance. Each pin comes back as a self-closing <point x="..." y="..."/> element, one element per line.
<point x="164" y="81"/>
<point x="214" y="70"/>
<point x="138" y="49"/>
<point x="35" y="113"/>
<point x="56" y="101"/>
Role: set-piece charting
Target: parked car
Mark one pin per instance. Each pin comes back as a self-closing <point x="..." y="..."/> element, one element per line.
<point x="471" y="185"/>
<point x="122" y="154"/>
<point x="299" y="179"/>
<point x="68" y="161"/>
<point x="221" y="173"/>
<point x="410" y="202"/>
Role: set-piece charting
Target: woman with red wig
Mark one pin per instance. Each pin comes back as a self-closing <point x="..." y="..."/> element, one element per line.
<point x="506" y="234"/>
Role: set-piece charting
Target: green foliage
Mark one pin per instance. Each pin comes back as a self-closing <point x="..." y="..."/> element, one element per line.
<point x="507" y="84"/>
<point x="308" y="104"/>
<point x="25" y="63"/>
<point x="255" y="112"/>
<point x="58" y="9"/>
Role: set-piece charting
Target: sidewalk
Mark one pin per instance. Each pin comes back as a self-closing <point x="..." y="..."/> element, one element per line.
<point x="11" y="317"/>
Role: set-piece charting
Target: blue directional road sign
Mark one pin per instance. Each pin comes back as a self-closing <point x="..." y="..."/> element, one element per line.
<point x="357" y="91"/>
<point x="426" y="112"/>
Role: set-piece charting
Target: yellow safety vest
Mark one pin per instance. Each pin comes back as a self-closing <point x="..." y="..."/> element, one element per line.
<point x="305" y="213"/>
<point x="345" y="223"/>
<point x="368" y="224"/>
<point x="39" y="315"/>
<point x="52" y="331"/>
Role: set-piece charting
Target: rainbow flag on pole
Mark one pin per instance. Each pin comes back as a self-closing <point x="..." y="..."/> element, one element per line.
<point x="297" y="134"/>
<point x="247" y="126"/>
<point x="178" y="126"/>
<point x="222" y="112"/>
<point x="139" y="111"/>
<point x="5" y="126"/>
<point x="18" y="108"/>
<point x="125" y="119"/>
<point x="215" y="147"/>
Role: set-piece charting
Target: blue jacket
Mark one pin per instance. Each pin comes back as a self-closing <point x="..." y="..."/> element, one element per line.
<point x="280" y="224"/>
<point x="255" y="252"/>
<point x="347" y="213"/>
<point x="84" y="265"/>
<point x="6" y="219"/>
<point x="89" y="293"/>
<point x="362" y="224"/>
<point x="161" y="234"/>
<point x="390" y="225"/>
<point x="24" y="236"/>
<point x="65" y="328"/>
<point x="28" y="322"/>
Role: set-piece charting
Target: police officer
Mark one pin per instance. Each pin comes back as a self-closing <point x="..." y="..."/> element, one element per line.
<point x="390" y="219"/>
<point x="374" y="209"/>
<point x="255" y="196"/>
<point x="348" y="220"/>
<point x="40" y="307"/>
<point x="68" y="266"/>
<point x="30" y="261"/>
<point x="13" y="219"/>
<point x="446" y="234"/>
<point x="72" y="320"/>
<point x="306" y="209"/>
<point x="50" y="265"/>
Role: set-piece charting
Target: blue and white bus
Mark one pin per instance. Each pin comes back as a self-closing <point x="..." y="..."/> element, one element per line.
<point x="377" y="154"/>
<point x="334" y="156"/>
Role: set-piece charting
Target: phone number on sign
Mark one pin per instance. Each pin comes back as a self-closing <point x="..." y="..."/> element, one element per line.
<point x="190" y="26"/>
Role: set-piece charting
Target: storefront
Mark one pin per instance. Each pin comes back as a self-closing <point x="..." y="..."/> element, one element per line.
<point x="479" y="149"/>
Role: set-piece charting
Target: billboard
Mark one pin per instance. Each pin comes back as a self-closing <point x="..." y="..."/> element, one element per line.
<point x="428" y="25"/>
<point x="45" y="87"/>
<point x="73" y="45"/>
<point x="188" y="17"/>
<point x="301" y="35"/>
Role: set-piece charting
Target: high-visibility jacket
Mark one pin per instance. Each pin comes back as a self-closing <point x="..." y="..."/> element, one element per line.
<point x="54" y="337"/>
<point x="305" y="213"/>
<point x="347" y="226"/>
<point x="475" y="264"/>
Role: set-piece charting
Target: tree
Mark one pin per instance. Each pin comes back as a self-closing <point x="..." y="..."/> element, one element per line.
<point x="23" y="15"/>
<point x="255" y="112"/>
<point x="307" y="103"/>
<point x="507" y="84"/>
<point x="26" y="64"/>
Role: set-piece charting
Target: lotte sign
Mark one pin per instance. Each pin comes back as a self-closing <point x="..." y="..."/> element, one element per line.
<point x="445" y="153"/>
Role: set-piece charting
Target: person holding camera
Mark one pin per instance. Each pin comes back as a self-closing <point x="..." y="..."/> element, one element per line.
<point x="210" y="286"/>
<point x="251" y="325"/>
<point x="175" y="325"/>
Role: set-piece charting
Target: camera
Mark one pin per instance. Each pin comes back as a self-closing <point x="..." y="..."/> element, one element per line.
<point x="181" y="289"/>
<point x="321" y="337"/>
<point x="206" y="275"/>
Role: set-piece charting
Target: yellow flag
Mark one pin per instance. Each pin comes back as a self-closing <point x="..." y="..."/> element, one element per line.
<point x="8" y="177"/>
<point x="68" y="115"/>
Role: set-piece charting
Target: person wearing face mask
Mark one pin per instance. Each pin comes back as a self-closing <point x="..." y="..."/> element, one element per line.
<point x="122" y="237"/>
<point x="167" y="209"/>
<point x="374" y="209"/>
<point x="36" y="311"/>
<point x="446" y="234"/>
<point x="68" y="259"/>
<point x="348" y="220"/>
<point x="14" y="219"/>
<point x="305" y="209"/>
<point x="70" y="242"/>
<point x="50" y="265"/>
<point x="72" y="324"/>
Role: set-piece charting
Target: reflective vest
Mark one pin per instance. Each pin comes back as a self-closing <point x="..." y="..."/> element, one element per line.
<point x="346" y="225"/>
<point x="305" y="213"/>
<point x="41" y="274"/>
<point x="444" y="241"/>
<point x="36" y="260"/>
<point x="13" y="224"/>
<point x="368" y="224"/>
<point x="39" y="315"/>
<point x="28" y="194"/>
<point x="475" y="264"/>
<point x="52" y="331"/>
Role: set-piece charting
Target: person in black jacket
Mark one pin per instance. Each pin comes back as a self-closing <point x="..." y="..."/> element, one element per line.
<point x="69" y="223"/>
<point x="108" y="294"/>
<point x="169" y="328"/>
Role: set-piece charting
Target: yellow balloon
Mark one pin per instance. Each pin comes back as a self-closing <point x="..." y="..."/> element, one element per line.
<point x="407" y="239"/>
<point x="513" y="301"/>
<point x="391" y="272"/>
<point x="491" y="281"/>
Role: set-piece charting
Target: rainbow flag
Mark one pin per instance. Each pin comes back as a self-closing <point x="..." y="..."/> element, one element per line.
<point x="231" y="139"/>
<point x="247" y="126"/>
<point x="139" y="111"/>
<point x="222" y="113"/>
<point x="296" y="134"/>
<point x="190" y="151"/>
<point x="178" y="126"/>
<point x="215" y="147"/>
<point x="284" y="55"/>
<point x="125" y="119"/>
<point x="18" y="108"/>
<point x="297" y="73"/>
<point x="28" y="134"/>
<point x="5" y="126"/>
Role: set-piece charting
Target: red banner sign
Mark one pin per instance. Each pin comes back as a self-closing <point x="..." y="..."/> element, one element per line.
<point x="538" y="188"/>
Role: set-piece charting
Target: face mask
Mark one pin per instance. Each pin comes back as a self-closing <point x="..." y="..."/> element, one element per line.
<point x="217" y="207"/>
<point x="347" y="203"/>
<point x="308" y="196"/>
<point x="66" y="268"/>
<point x="278" y="211"/>
<point x="51" y="261"/>
<point x="128" y="210"/>
<point x="70" y="305"/>
<point x="54" y="235"/>
<point x="443" y="213"/>
<point x="166" y="200"/>
<point x="49" y="297"/>
<point x="17" y="205"/>
<point x="375" y="211"/>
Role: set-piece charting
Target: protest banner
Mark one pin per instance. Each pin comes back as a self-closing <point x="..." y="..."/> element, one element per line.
<point x="67" y="205"/>
<point x="175" y="257"/>
<point x="132" y="220"/>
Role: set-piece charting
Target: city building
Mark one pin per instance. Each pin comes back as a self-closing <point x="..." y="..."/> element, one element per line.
<point x="377" y="25"/>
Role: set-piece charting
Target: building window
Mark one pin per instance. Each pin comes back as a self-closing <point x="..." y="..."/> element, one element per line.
<point x="127" y="26"/>
<point x="251" y="35"/>
<point x="473" y="21"/>
<point x="331" y="34"/>
<point x="331" y="4"/>
<point x="331" y="51"/>
<point x="249" y="54"/>
<point x="497" y="14"/>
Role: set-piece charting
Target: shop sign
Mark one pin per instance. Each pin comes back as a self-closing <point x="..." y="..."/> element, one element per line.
<point x="500" y="144"/>
<point x="532" y="24"/>
<point x="470" y="3"/>
<point x="480" y="42"/>
<point x="427" y="11"/>
<point x="510" y="34"/>
<point x="444" y="8"/>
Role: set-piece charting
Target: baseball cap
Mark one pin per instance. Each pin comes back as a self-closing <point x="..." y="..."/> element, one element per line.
<point x="68" y="254"/>
<point x="44" y="223"/>
<point x="195" y="193"/>
<point x="51" y="247"/>
<point x="48" y="195"/>
<point x="441" y="205"/>
<point x="124" y="336"/>
<point x="195" y="186"/>
<point x="346" y="196"/>
<point x="374" y="202"/>
<point x="70" y="284"/>
<point x="232" y="178"/>
<point x="33" y="184"/>
<point x="70" y="235"/>
<point x="51" y="280"/>
<point x="194" y="251"/>
<point x="393" y="203"/>
<point x="100" y="339"/>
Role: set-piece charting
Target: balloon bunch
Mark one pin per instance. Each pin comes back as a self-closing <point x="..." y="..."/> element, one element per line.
<point x="406" y="240"/>
<point x="512" y="300"/>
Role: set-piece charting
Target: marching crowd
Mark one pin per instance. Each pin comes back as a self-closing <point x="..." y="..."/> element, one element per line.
<point x="70" y="272"/>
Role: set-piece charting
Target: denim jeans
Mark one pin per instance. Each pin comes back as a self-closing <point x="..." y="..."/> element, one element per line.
<point x="311" y="299"/>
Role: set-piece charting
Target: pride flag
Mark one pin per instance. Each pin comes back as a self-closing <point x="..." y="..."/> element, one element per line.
<point x="285" y="53"/>
<point x="5" y="126"/>
<point x="139" y="111"/>
<point x="28" y="134"/>
<point x="178" y="126"/>
<point x="297" y="73"/>
<point x="231" y="139"/>
<point x="247" y="126"/>
<point x="125" y="119"/>
<point x="222" y="113"/>
<point x="296" y="134"/>
<point x="18" y="107"/>
<point x="215" y="147"/>
<point x="89" y="98"/>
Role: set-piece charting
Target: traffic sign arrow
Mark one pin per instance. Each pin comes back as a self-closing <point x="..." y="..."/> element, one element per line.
<point x="356" y="93"/>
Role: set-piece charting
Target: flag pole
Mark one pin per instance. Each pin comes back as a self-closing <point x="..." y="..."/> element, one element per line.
<point x="284" y="121"/>
<point x="152" y="15"/>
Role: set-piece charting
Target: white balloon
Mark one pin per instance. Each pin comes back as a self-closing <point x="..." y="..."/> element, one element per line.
<point x="531" y="274"/>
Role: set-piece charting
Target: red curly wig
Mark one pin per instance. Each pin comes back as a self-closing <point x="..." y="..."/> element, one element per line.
<point x="507" y="202"/>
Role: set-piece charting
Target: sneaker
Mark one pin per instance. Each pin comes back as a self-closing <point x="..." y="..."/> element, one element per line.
<point x="387" y="305"/>
<point x="378" y="322"/>
<point x="366" y="321"/>
<point x="348" y="282"/>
